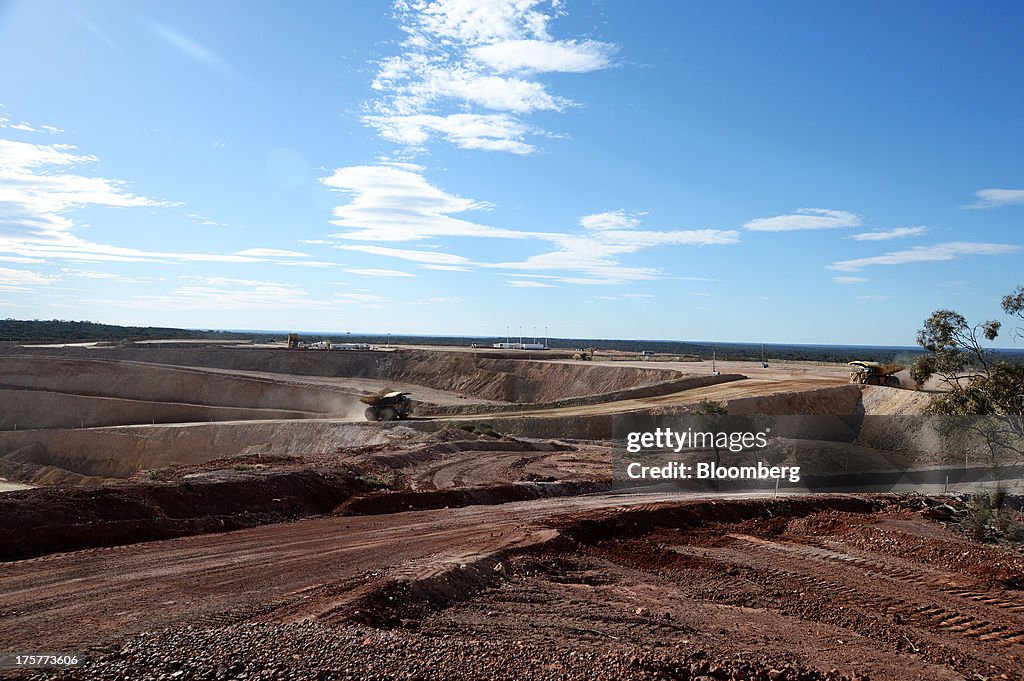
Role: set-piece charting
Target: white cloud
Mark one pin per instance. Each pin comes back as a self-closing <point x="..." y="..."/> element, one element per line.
<point x="223" y="293"/>
<point x="40" y="187"/>
<point x="594" y="254"/>
<point x="34" y="192"/>
<point x="446" y="268"/>
<point x="936" y="253"/>
<point x="626" y="296"/>
<point x="394" y="202"/>
<point x="107" y="276"/>
<point x="477" y="59"/>
<point x="477" y="22"/>
<point x="22" y="280"/>
<point x="486" y="132"/>
<point x="885" y="235"/>
<point x="431" y="257"/>
<point x="616" y="219"/>
<point x="272" y="253"/>
<point x="997" y="198"/>
<point x="526" y="283"/>
<point x="563" y="56"/>
<point x="359" y="297"/>
<point x="203" y="220"/>
<point x="849" y="280"/>
<point x="380" y="273"/>
<point x="805" y="218"/>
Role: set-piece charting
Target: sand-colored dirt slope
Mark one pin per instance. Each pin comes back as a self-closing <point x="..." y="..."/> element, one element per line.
<point x="137" y="381"/>
<point x="880" y="400"/>
<point x="118" y="452"/>
<point x="480" y="376"/>
<point x="24" y="409"/>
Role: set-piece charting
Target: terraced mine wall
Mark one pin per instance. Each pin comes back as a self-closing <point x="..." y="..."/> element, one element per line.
<point x="62" y="456"/>
<point x="28" y="409"/>
<point x="843" y="400"/>
<point x="653" y="390"/>
<point x="478" y="375"/>
<point x="61" y="387"/>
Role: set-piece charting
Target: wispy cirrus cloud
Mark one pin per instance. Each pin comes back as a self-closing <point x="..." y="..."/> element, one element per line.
<point x="222" y="293"/>
<point x="849" y="280"/>
<point x="805" y="219"/>
<point x="996" y="198"/>
<point x="626" y="296"/>
<point x="371" y="272"/>
<point x="394" y="202"/>
<point x="5" y="122"/>
<point x="22" y="280"/>
<point x="189" y="47"/>
<point x="469" y="71"/>
<point x="272" y="253"/>
<point x="430" y="257"/>
<point x="887" y="234"/>
<point x="41" y="187"/>
<point x="937" y="253"/>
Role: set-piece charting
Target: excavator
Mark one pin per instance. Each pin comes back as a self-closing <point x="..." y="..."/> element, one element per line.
<point x="387" y="405"/>
<point x="875" y="373"/>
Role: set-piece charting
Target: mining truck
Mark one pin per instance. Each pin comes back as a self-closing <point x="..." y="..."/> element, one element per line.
<point x="387" y="405"/>
<point x="875" y="373"/>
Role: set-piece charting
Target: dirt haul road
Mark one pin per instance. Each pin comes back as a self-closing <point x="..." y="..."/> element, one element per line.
<point x="594" y="587"/>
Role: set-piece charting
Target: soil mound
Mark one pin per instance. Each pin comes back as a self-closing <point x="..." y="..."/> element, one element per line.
<point x="42" y="521"/>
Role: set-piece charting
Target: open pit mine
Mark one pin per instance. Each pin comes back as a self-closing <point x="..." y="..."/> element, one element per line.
<point x="216" y="512"/>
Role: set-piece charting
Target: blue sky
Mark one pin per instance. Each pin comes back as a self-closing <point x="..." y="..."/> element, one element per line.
<point x="767" y="172"/>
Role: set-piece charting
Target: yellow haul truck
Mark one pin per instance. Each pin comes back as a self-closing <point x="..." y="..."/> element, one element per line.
<point x="875" y="373"/>
<point x="387" y="405"/>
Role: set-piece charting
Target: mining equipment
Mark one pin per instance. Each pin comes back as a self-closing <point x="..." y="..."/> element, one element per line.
<point x="585" y="354"/>
<point x="293" y="341"/>
<point x="387" y="405"/>
<point x="875" y="373"/>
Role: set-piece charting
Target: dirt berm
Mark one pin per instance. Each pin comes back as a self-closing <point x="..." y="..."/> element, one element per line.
<point x="42" y="521"/>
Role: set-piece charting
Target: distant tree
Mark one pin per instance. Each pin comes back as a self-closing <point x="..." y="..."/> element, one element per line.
<point x="978" y="383"/>
<point x="1013" y="305"/>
